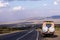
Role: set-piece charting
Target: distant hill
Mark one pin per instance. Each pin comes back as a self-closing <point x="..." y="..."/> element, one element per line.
<point x="36" y="18"/>
<point x="42" y="18"/>
<point x="56" y="17"/>
<point x="53" y="17"/>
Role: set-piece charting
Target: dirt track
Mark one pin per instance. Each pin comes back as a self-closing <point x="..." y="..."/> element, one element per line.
<point x="55" y="37"/>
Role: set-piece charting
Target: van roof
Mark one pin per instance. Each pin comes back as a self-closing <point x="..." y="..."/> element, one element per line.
<point x="48" y="21"/>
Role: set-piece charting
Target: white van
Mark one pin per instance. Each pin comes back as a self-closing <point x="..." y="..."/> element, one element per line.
<point x="48" y="27"/>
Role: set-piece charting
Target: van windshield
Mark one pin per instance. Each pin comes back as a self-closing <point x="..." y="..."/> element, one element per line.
<point x="48" y="25"/>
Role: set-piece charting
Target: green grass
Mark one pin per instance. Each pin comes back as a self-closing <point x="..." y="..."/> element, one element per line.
<point x="57" y="28"/>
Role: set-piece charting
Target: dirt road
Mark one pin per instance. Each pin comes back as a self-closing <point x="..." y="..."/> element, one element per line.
<point x="55" y="37"/>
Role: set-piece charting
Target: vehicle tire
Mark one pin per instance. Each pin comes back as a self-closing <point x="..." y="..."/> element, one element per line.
<point x="52" y="34"/>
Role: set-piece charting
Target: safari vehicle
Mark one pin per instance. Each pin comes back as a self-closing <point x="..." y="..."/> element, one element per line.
<point x="48" y="28"/>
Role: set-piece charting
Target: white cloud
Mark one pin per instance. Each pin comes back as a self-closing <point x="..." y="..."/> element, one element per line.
<point x="18" y="8"/>
<point x="3" y="4"/>
<point x="57" y="0"/>
<point x="45" y="4"/>
<point x="55" y="3"/>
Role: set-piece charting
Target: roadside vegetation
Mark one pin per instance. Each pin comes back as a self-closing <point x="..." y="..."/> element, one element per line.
<point x="7" y="30"/>
<point x="57" y="28"/>
<point x="11" y="28"/>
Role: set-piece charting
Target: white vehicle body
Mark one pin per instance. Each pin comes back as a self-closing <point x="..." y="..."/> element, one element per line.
<point x="48" y="28"/>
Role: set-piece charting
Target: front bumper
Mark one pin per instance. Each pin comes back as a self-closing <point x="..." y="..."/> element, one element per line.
<point x="48" y="33"/>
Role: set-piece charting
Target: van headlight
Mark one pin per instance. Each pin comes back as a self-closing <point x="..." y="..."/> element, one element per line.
<point x="44" y="29"/>
<point x="51" y="29"/>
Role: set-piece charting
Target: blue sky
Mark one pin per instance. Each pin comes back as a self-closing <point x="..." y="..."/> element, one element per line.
<point x="13" y="10"/>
